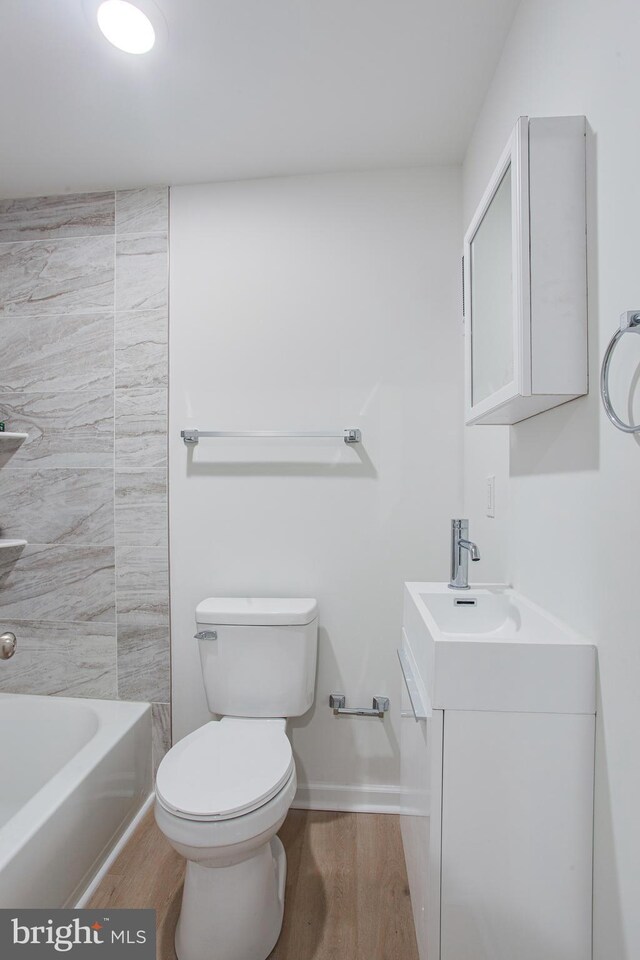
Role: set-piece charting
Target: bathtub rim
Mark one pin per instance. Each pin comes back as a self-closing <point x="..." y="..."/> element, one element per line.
<point x="115" y="720"/>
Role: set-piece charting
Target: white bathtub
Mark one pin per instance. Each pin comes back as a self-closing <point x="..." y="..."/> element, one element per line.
<point x="73" y="774"/>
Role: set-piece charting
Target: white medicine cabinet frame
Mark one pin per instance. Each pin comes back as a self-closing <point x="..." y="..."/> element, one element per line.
<point x="525" y="277"/>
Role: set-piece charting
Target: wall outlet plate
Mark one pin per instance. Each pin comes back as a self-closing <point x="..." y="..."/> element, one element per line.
<point x="491" y="496"/>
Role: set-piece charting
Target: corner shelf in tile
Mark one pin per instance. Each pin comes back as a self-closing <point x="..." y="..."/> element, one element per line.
<point x="7" y="544"/>
<point x="16" y="438"/>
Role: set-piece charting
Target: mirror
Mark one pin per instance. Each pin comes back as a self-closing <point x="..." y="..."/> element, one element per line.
<point x="492" y="297"/>
<point x="525" y="269"/>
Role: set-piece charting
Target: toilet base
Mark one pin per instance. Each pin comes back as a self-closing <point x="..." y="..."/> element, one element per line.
<point x="233" y="912"/>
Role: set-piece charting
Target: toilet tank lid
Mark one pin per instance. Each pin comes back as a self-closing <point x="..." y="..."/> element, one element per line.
<point x="257" y="611"/>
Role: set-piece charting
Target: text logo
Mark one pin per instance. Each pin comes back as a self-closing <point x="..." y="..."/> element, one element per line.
<point x="38" y="934"/>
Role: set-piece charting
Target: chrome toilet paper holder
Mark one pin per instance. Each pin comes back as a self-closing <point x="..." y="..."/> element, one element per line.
<point x="337" y="702"/>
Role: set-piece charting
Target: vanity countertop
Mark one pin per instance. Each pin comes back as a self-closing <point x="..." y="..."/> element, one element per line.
<point x="490" y="648"/>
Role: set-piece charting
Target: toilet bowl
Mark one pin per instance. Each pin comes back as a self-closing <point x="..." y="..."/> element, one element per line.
<point x="223" y="792"/>
<point x="221" y="796"/>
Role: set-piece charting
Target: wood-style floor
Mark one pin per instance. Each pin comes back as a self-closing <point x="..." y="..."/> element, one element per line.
<point x="347" y="896"/>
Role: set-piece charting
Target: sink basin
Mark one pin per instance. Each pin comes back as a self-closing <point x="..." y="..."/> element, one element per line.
<point x="490" y="648"/>
<point x="479" y="614"/>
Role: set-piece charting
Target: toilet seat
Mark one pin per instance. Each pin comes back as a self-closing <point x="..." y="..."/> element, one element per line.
<point x="225" y="769"/>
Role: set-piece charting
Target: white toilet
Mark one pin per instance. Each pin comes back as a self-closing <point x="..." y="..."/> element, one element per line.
<point x="222" y="792"/>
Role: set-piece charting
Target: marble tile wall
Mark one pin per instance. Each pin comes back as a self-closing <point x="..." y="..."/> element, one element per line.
<point x="83" y="320"/>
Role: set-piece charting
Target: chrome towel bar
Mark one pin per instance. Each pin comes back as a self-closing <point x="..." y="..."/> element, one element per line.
<point x="421" y="709"/>
<point x="629" y="323"/>
<point x="350" y="435"/>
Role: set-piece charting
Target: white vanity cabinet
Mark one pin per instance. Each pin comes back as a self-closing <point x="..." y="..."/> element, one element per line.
<point x="420" y="824"/>
<point x="497" y="781"/>
<point x="525" y="277"/>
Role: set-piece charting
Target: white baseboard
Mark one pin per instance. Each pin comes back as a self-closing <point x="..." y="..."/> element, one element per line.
<point x="365" y="798"/>
<point x="119" y="845"/>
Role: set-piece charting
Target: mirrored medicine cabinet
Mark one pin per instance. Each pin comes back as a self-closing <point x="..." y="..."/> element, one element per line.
<point x="525" y="277"/>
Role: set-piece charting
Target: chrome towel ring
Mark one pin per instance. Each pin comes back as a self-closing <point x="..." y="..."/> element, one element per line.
<point x="629" y="323"/>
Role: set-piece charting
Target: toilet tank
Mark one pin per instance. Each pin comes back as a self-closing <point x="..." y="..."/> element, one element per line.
<point x="258" y="656"/>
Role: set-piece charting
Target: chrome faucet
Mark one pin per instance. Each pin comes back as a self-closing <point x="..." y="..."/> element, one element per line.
<point x="461" y="549"/>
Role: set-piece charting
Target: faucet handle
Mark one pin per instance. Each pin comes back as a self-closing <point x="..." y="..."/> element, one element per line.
<point x="8" y="644"/>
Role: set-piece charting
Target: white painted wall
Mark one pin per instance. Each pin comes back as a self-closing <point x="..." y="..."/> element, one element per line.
<point x="568" y="511"/>
<point x="315" y="302"/>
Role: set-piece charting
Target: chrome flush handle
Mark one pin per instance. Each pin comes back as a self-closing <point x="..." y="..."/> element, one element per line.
<point x="206" y="635"/>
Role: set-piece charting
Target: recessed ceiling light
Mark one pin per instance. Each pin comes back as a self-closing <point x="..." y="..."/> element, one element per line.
<point x="126" y="26"/>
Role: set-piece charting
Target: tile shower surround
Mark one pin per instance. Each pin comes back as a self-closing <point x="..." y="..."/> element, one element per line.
<point x="83" y="321"/>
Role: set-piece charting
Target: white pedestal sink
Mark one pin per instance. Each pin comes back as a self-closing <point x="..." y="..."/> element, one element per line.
<point x="498" y="779"/>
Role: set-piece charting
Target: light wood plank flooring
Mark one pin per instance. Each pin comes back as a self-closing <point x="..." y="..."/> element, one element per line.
<point x="347" y="896"/>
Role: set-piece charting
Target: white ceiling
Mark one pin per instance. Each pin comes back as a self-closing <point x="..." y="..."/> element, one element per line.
<point x="241" y="88"/>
